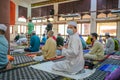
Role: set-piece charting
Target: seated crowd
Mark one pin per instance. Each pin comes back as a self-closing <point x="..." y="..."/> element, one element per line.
<point x="72" y="49"/>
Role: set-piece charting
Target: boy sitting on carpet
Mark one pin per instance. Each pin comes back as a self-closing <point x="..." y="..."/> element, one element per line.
<point x="97" y="50"/>
<point x="4" y="62"/>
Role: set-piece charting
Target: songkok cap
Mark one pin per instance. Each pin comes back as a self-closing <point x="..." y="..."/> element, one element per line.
<point x="73" y="23"/>
<point x="3" y="27"/>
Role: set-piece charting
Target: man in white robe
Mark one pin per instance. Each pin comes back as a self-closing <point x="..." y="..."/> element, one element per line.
<point x="74" y="61"/>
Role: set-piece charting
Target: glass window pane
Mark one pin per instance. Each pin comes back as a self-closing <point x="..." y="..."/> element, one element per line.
<point x="18" y="28"/>
<point x="22" y="29"/>
<point x="44" y="20"/>
<point x="21" y="19"/>
<point x="111" y="15"/>
<point x="37" y="29"/>
<point x="34" y="21"/>
<point x="109" y="27"/>
<point x="39" y="21"/>
<point x="43" y="29"/>
<point x="79" y="28"/>
<point x="85" y="28"/>
<point x="61" y="19"/>
<point x="66" y="25"/>
<point x="101" y="15"/>
<point x="86" y="16"/>
<point x="69" y="18"/>
<point x="25" y="29"/>
<point x="61" y="29"/>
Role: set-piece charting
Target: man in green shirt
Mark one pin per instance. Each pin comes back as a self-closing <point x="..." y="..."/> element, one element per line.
<point x="30" y="27"/>
<point x="60" y="40"/>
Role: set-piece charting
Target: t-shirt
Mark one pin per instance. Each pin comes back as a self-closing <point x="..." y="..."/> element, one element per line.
<point x="49" y="27"/>
<point x="34" y="43"/>
<point x="60" y="41"/>
<point x="30" y="27"/>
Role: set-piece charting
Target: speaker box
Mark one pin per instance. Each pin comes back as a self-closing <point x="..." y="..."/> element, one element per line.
<point x="52" y="12"/>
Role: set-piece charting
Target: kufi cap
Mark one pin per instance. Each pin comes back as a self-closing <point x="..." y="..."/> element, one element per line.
<point x="3" y="27"/>
<point x="73" y="23"/>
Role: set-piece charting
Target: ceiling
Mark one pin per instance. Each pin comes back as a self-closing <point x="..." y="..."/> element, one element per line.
<point x="35" y="1"/>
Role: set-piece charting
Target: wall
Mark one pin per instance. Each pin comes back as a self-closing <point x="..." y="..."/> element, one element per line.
<point x="24" y="4"/>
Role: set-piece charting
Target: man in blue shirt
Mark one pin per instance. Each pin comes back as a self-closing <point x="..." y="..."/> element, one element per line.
<point x="44" y="38"/>
<point x="34" y="43"/>
<point x="84" y="45"/>
<point x="3" y="48"/>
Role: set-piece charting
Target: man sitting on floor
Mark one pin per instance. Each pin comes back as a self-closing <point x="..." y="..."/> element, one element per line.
<point x="97" y="50"/>
<point x="74" y="61"/>
<point x="4" y="62"/>
<point x="110" y="46"/>
<point x="34" y="43"/>
<point x="49" y="49"/>
<point x="60" y="41"/>
<point x="44" y="38"/>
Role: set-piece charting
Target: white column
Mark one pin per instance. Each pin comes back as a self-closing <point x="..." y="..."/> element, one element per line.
<point x="93" y="16"/>
<point x="16" y="15"/>
<point x="29" y="11"/>
<point x="55" y="26"/>
<point x="118" y="25"/>
<point x="118" y="30"/>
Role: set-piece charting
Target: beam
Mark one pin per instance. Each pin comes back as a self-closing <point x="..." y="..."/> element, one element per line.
<point x="46" y="2"/>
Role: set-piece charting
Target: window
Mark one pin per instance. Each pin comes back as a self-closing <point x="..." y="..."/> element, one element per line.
<point x="109" y="27"/>
<point x="39" y="20"/>
<point x="69" y="18"/>
<point x="51" y="19"/>
<point x="101" y="15"/>
<point x="85" y="28"/>
<point x="37" y="29"/>
<point x="22" y="29"/>
<point x="86" y="16"/>
<point x="66" y="25"/>
<point x="61" y="29"/>
<point x="44" y="20"/>
<point x="61" y="19"/>
<point x="43" y="29"/>
<point x="21" y="19"/>
<point x="111" y="15"/>
<point x="79" y="28"/>
<point x="34" y="21"/>
<point x="19" y="29"/>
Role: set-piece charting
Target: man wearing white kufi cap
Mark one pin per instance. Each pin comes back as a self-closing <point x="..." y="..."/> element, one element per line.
<point x="110" y="46"/>
<point x="74" y="61"/>
<point x="3" y="48"/>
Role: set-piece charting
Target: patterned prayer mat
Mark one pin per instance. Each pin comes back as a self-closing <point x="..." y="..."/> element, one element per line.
<point x="100" y="75"/>
<point x="21" y="59"/>
<point x="26" y="73"/>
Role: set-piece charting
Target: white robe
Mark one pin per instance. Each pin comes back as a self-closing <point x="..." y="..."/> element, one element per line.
<point x="74" y="61"/>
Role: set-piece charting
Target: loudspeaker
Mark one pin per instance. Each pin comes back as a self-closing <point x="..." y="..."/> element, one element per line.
<point x="51" y="11"/>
